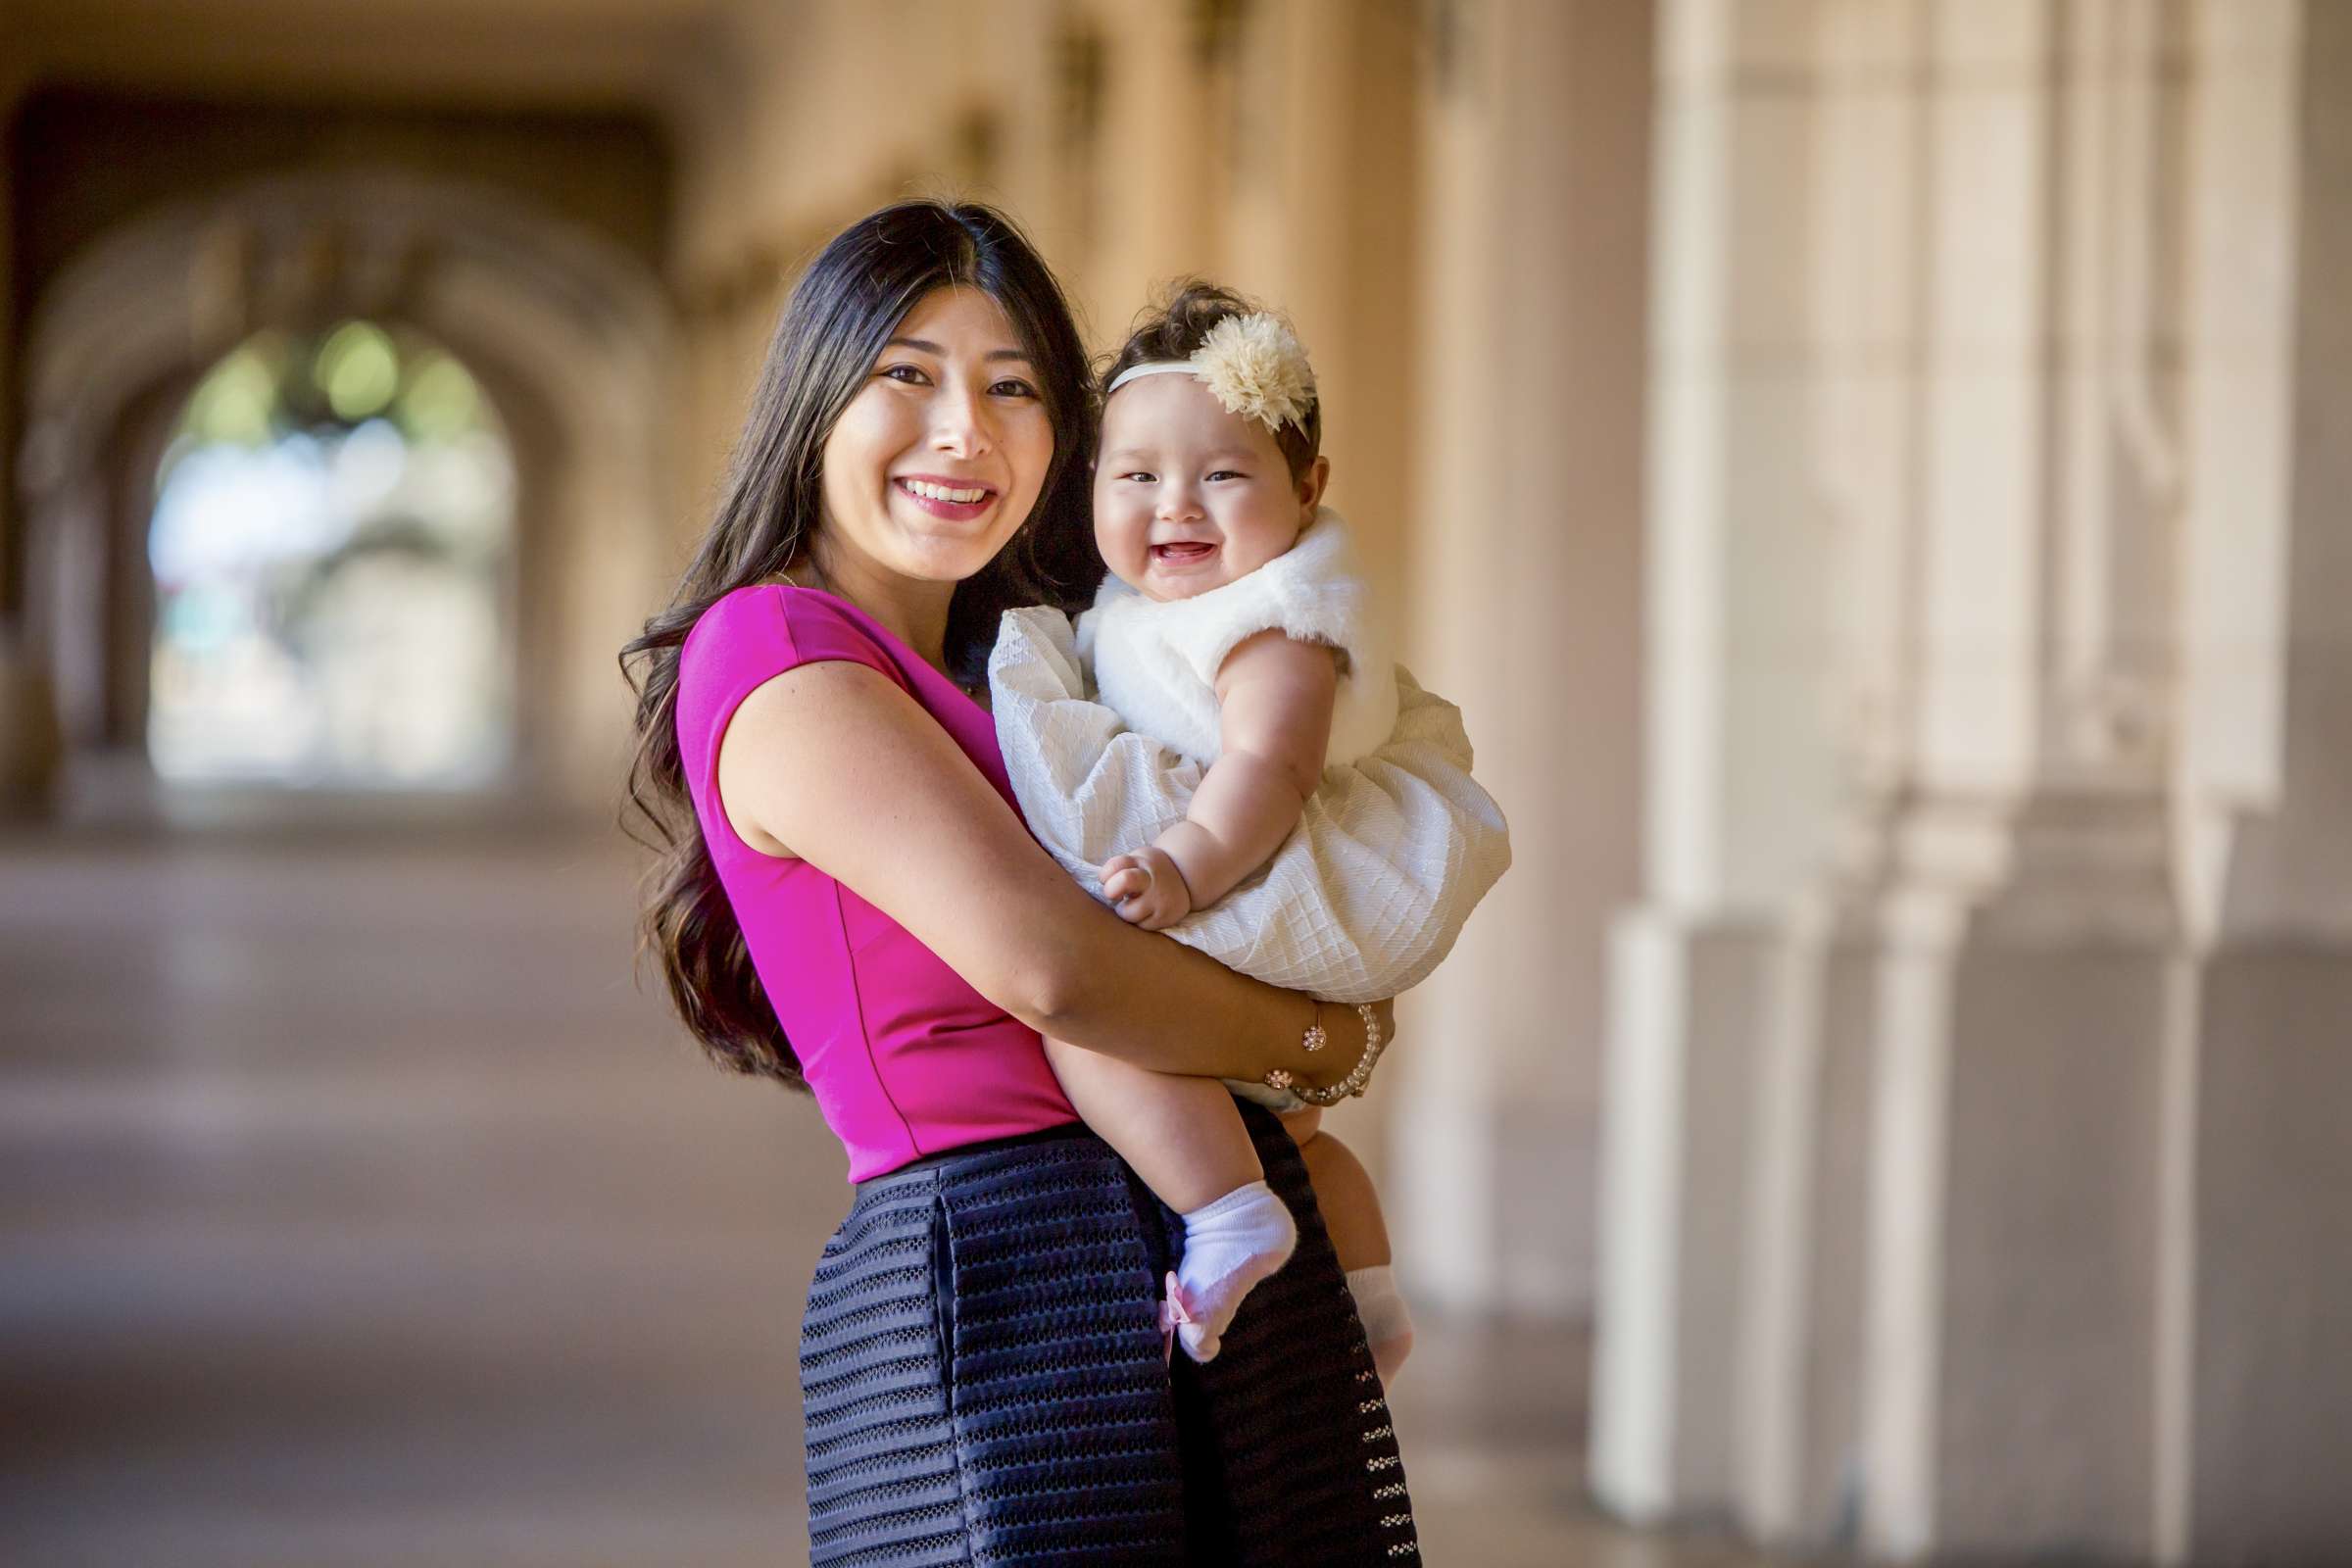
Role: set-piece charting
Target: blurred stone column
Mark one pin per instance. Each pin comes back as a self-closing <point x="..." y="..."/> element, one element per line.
<point x="29" y="750"/>
<point x="1157" y="169"/>
<point x="1323" y="99"/>
<point x="2257" y="1387"/>
<point x="1994" y="976"/>
<point x="1739" y="760"/>
<point x="1524" y="547"/>
<point x="1798" y="1423"/>
<point x="11" y="524"/>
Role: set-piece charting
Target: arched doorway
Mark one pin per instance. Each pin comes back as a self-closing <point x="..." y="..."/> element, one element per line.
<point x="565" y="341"/>
<point x="332" y="546"/>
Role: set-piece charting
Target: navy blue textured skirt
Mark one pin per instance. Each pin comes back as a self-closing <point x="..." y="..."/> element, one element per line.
<point x="982" y="1373"/>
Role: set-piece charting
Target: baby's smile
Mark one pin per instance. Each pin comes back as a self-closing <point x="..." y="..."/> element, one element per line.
<point x="1183" y="553"/>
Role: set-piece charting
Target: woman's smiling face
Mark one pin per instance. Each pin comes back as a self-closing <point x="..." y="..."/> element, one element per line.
<point x="940" y="455"/>
<point x="1188" y="497"/>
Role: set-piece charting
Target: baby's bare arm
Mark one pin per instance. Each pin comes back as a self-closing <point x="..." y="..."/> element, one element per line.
<point x="1274" y="702"/>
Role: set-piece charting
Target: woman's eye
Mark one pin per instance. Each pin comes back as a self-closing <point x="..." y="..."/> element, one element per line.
<point x="912" y="376"/>
<point x="1013" y="387"/>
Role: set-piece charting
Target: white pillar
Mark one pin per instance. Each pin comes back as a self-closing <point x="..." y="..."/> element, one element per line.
<point x="1738" y="761"/>
<point x="1798" y="1429"/>
<point x="1151" y="212"/>
<point x="1523" y="549"/>
<point x="2257" y="1379"/>
<point x="2023" y="956"/>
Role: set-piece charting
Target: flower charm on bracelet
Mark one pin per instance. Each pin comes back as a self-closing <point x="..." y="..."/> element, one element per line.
<point x="1357" y="1076"/>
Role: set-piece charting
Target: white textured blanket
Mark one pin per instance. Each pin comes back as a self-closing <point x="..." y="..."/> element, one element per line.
<point x="1389" y="856"/>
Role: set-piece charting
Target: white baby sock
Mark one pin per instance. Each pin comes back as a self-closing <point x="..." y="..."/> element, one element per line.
<point x="1387" y="1325"/>
<point x="1229" y="1246"/>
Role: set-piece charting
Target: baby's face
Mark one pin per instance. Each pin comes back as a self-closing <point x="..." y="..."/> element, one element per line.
<point x="1187" y="496"/>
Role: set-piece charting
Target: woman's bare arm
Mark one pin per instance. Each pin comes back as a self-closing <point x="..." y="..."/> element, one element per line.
<point x="836" y="763"/>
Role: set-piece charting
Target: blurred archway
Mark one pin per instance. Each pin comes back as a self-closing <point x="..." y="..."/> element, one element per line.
<point x="332" y="550"/>
<point x="238" y="558"/>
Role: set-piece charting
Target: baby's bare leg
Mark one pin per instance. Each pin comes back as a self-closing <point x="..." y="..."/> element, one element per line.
<point x="1343" y="1191"/>
<point x="1182" y="1135"/>
<point x="1351" y="1207"/>
<point x="1185" y="1140"/>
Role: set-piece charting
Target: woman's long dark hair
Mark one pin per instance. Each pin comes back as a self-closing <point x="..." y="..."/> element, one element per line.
<point x="840" y="316"/>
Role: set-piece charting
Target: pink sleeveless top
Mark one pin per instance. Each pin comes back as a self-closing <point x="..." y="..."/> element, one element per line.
<point x="904" y="1058"/>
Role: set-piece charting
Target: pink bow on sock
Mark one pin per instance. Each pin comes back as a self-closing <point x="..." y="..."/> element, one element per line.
<point x="1175" y="1313"/>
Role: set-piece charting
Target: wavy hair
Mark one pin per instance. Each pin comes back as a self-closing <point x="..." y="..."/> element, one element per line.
<point x="840" y="316"/>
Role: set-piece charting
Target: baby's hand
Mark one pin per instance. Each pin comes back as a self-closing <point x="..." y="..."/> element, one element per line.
<point x="1146" y="889"/>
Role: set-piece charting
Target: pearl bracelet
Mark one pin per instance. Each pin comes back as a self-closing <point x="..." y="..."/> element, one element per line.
<point x="1358" y="1075"/>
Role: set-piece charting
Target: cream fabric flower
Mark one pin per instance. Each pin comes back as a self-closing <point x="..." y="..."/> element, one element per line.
<point x="1257" y="367"/>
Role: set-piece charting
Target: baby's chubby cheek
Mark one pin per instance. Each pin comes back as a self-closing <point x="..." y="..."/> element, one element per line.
<point x="1125" y="547"/>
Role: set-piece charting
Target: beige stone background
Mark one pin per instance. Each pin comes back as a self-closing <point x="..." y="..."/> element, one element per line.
<point x="1872" y="472"/>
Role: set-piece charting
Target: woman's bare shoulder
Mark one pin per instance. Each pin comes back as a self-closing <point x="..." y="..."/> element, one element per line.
<point x="835" y="764"/>
<point x="824" y="713"/>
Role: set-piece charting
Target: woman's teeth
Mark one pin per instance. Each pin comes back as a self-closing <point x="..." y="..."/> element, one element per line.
<point x="941" y="492"/>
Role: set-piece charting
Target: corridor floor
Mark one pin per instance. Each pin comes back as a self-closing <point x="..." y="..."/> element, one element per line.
<point x="359" y="1211"/>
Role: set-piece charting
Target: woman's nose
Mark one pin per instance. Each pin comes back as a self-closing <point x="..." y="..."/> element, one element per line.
<point x="960" y="423"/>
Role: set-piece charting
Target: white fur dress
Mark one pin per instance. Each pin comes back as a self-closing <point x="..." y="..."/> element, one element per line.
<point x="1156" y="663"/>
<point x="1393" y="850"/>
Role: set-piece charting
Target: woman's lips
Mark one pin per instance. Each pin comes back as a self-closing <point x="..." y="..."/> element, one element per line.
<point x="939" y="507"/>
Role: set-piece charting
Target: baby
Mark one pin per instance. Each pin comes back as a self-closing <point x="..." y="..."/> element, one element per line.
<point x="1235" y="629"/>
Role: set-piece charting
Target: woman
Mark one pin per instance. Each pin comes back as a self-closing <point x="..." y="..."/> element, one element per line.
<point x="848" y="900"/>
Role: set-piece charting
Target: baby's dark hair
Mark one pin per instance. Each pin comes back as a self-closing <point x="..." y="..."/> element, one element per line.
<point x="1174" y="329"/>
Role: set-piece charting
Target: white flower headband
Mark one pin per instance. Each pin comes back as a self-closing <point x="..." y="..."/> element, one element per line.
<point x="1252" y="364"/>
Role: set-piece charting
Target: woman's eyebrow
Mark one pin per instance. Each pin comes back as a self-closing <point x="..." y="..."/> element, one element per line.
<point x="926" y="345"/>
